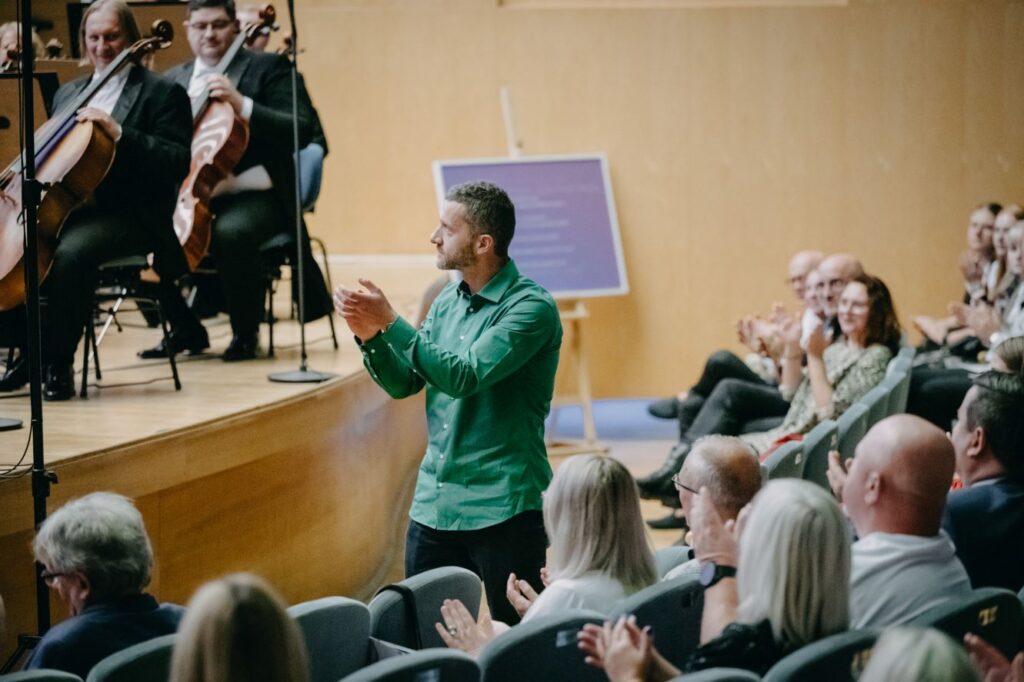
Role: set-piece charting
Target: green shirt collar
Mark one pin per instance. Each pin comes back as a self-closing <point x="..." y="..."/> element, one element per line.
<point x="497" y="285"/>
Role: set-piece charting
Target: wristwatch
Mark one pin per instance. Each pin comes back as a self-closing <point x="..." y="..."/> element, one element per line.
<point x="711" y="573"/>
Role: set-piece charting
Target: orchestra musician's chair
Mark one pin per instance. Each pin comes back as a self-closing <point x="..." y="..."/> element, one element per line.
<point x="118" y="280"/>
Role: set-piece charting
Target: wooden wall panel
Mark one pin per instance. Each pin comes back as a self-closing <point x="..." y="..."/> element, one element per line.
<point x="736" y="136"/>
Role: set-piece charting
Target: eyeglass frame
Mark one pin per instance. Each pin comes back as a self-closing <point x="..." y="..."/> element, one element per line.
<point x="680" y="486"/>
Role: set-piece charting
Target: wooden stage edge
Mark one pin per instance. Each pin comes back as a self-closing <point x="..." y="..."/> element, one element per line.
<point x="307" y="485"/>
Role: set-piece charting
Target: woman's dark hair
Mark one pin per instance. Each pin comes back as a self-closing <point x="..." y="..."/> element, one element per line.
<point x="883" y="325"/>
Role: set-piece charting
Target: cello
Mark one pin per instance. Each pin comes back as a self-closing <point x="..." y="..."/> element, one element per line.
<point x="72" y="158"/>
<point x="219" y="139"/>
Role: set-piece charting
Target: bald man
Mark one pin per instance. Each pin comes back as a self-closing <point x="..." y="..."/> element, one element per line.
<point x="894" y="494"/>
<point x="834" y="273"/>
<point x="728" y="468"/>
<point x="800" y="265"/>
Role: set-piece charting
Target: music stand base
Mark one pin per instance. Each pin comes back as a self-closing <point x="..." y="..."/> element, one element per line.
<point x="10" y="424"/>
<point x="301" y="376"/>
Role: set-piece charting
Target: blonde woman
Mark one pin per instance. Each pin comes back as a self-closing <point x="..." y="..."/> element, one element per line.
<point x="790" y="587"/>
<point x="918" y="654"/>
<point x="236" y="630"/>
<point x="599" y="551"/>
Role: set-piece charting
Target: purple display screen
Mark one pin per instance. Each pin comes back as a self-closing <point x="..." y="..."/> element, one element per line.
<point x="567" y="233"/>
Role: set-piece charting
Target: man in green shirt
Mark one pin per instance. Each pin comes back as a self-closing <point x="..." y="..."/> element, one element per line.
<point x="487" y="354"/>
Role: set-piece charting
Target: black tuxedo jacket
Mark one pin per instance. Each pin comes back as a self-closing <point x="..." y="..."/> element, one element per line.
<point x="151" y="160"/>
<point x="266" y="79"/>
<point x="986" y="523"/>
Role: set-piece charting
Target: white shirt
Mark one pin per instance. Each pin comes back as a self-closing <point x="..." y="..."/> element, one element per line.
<point x="106" y="98"/>
<point x="895" y="578"/>
<point x="593" y="591"/>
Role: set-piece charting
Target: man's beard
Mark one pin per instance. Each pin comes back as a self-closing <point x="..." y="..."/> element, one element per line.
<point x="462" y="258"/>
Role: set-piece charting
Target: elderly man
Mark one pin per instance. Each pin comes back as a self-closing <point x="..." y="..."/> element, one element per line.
<point x="727" y="468"/>
<point x="894" y="493"/>
<point x="98" y="559"/>
<point x="986" y="519"/>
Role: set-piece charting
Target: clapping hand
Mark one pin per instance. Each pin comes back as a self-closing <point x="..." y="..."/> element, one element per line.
<point x="520" y="594"/>
<point x="366" y="312"/>
<point x="461" y="631"/>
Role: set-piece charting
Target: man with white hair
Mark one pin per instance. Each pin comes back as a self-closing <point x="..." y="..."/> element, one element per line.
<point x="97" y="557"/>
<point x="894" y="493"/>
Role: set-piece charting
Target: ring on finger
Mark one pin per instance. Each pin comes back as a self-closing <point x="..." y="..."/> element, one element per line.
<point x="452" y="630"/>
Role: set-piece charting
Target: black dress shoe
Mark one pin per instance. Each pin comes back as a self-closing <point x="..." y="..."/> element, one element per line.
<point x="666" y="408"/>
<point x="659" y="484"/>
<point x="16" y="375"/>
<point x="192" y="343"/>
<point x="242" y="347"/>
<point x="60" y="382"/>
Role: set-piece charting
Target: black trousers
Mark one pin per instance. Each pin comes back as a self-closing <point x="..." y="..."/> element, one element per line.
<point x="244" y="222"/>
<point x="936" y="394"/>
<point x="745" y="396"/>
<point x="89" y="238"/>
<point x="518" y="545"/>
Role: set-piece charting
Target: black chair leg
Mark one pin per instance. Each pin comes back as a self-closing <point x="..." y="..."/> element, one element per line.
<point x="87" y="346"/>
<point x="168" y="344"/>
<point x="95" y="354"/>
<point x="270" y="316"/>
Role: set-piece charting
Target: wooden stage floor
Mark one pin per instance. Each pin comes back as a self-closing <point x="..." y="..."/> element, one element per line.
<point x="136" y="400"/>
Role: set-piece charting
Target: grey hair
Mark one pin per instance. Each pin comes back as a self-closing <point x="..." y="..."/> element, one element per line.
<point x="236" y="629"/>
<point x="908" y="653"/>
<point x="592" y="516"/>
<point x="794" y="563"/>
<point x="101" y="536"/>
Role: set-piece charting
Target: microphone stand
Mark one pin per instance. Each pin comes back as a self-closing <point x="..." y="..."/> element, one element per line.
<point x="31" y="190"/>
<point x="302" y="375"/>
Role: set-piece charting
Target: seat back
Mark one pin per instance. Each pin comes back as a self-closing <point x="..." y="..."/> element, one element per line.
<point x="877" y="403"/>
<point x="145" y="662"/>
<point x="540" y="650"/>
<point x="432" y="665"/>
<point x="852" y="425"/>
<point x="673" y="610"/>
<point x="839" y="658"/>
<point x="390" y="613"/>
<point x="898" y="386"/>
<point x="907" y="352"/>
<point x="992" y="613"/>
<point x="719" y="675"/>
<point x="787" y="461"/>
<point x="337" y="635"/>
<point x="668" y="558"/>
<point x="40" y="676"/>
<point x="817" y="443"/>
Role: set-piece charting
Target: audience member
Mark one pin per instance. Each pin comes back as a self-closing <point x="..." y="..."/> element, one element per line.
<point x="725" y="467"/>
<point x="236" y="629"/>
<point x="904" y="654"/>
<point x="1009" y="356"/>
<point x="599" y="551"/>
<point x="790" y="588"/>
<point x="985" y="520"/>
<point x="990" y="324"/>
<point x="855" y="364"/>
<point x="10" y="42"/>
<point x="894" y="493"/>
<point x="96" y="555"/>
<point x="752" y="332"/>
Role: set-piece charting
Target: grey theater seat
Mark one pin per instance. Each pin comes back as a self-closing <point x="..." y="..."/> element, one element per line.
<point x="337" y="635"/>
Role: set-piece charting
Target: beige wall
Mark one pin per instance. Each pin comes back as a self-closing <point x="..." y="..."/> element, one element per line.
<point x="735" y="135"/>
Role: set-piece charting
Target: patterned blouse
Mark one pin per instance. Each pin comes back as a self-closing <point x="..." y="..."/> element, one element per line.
<point x="851" y="371"/>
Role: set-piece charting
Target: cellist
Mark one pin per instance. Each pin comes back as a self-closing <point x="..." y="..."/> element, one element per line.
<point x="150" y="122"/>
<point x="254" y="204"/>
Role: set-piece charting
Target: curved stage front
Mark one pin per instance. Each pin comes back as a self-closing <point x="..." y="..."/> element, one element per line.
<point x="307" y="485"/>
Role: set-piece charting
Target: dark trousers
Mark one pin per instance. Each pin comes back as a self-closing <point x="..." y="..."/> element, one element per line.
<point x="89" y="238"/>
<point x="746" y="396"/>
<point x="518" y="545"/>
<point x="244" y="222"/>
<point x="936" y="394"/>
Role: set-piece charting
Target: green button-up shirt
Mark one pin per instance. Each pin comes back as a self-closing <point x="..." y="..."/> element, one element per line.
<point x="488" y="362"/>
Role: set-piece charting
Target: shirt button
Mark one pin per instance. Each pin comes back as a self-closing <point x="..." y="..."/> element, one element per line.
<point x="440" y="485"/>
<point x="446" y="426"/>
<point x="373" y="350"/>
<point x="441" y="456"/>
<point x="472" y="310"/>
<point x="462" y="338"/>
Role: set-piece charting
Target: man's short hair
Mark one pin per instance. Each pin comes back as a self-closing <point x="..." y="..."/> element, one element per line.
<point x="488" y="211"/>
<point x="228" y="5"/>
<point x="998" y="408"/>
<point x="101" y="536"/>
<point x="731" y="473"/>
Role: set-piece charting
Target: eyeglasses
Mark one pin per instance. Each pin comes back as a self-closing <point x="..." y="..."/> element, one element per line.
<point x="682" y="486"/>
<point x="48" y="577"/>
